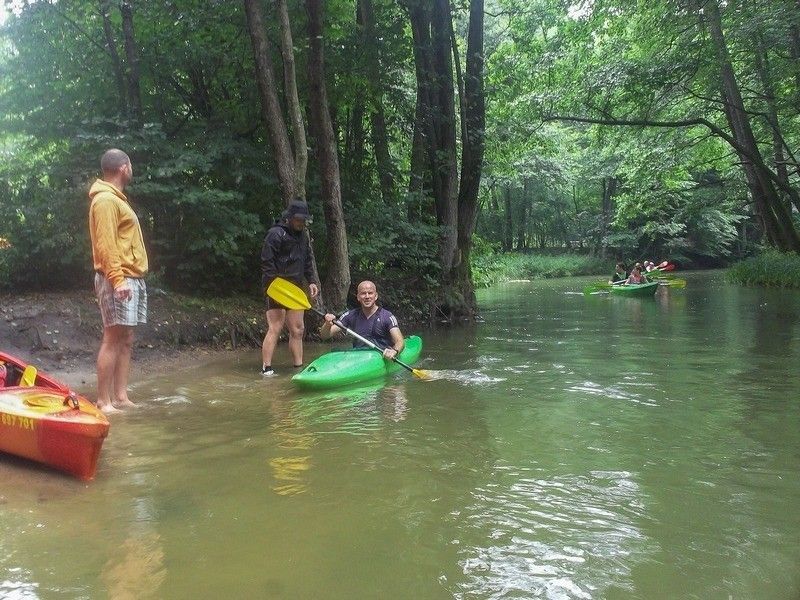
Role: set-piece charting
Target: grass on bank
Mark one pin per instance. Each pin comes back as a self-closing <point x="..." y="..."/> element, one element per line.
<point x="769" y="269"/>
<point x="489" y="269"/>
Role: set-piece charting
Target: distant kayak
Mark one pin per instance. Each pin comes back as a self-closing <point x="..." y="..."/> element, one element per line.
<point x="336" y="369"/>
<point x="48" y="423"/>
<point x="635" y="289"/>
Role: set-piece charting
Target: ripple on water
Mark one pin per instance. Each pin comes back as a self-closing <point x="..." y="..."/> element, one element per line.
<point x="20" y="587"/>
<point x="464" y="376"/>
<point x="566" y="537"/>
<point x="612" y="392"/>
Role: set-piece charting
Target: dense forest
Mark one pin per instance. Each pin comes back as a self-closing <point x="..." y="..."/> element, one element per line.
<point x="423" y="133"/>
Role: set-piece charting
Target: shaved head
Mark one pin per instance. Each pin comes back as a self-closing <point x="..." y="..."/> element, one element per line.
<point x="365" y="285"/>
<point x="113" y="160"/>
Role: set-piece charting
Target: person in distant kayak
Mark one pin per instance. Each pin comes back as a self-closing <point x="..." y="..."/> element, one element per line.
<point x="371" y="321"/>
<point x="636" y="276"/>
<point x="120" y="264"/>
<point x="620" y="275"/>
<point x="287" y="253"/>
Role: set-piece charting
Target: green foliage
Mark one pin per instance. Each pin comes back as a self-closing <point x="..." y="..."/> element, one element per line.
<point x="401" y="258"/>
<point x="202" y="165"/>
<point x="768" y="269"/>
<point x="680" y="191"/>
<point x="46" y="246"/>
<point x="495" y="268"/>
<point x="202" y="232"/>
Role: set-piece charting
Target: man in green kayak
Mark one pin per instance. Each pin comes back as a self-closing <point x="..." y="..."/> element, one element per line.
<point x="370" y="321"/>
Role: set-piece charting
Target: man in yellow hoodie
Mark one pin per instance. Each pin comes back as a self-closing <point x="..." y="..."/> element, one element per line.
<point x="120" y="264"/>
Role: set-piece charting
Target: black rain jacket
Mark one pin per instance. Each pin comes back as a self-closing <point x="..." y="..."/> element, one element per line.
<point x="288" y="254"/>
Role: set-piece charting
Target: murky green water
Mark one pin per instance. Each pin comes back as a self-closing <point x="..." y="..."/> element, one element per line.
<point x="576" y="448"/>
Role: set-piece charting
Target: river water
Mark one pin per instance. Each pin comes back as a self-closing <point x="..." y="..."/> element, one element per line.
<point x="568" y="447"/>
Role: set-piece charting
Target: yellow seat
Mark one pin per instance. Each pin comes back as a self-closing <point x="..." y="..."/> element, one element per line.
<point x="28" y="378"/>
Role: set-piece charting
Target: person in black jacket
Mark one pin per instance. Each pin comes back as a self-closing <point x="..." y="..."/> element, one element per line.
<point x="287" y="253"/>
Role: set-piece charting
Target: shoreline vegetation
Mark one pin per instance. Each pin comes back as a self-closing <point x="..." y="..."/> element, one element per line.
<point x="60" y="330"/>
<point x="768" y="269"/>
<point x="490" y="269"/>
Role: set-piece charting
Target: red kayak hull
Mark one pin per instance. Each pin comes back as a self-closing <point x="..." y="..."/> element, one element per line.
<point x="50" y="424"/>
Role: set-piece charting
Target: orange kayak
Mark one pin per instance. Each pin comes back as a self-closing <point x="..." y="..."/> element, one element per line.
<point x="48" y="423"/>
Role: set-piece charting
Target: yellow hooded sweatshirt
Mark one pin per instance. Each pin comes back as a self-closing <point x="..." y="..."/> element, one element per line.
<point x="117" y="244"/>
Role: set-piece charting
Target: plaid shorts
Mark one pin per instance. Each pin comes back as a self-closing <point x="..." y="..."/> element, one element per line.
<point x="115" y="312"/>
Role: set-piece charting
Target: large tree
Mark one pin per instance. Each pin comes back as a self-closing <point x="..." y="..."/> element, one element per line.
<point x="337" y="280"/>
<point x="455" y="202"/>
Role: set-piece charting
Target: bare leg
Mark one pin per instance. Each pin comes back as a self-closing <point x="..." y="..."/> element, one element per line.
<point x="275" y="320"/>
<point x="106" y="363"/>
<point x="294" y="320"/>
<point x="122" y="368"/>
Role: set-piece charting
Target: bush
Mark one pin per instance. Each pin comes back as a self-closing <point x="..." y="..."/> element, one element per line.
<point x="401" y="259"/>
<point x="488" y="269"/>
<point x="203" y="202"/>
<point x="769" y="269"/>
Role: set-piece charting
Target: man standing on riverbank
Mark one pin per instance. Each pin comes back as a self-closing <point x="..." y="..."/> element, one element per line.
<point x="287" y="253"/>
<point x="120" y="264"/>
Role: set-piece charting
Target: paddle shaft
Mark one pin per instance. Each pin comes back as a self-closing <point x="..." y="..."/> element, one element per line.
<point x="361" y="338"/>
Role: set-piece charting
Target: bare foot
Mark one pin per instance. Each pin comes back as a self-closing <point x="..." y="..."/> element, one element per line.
<point x="107" y="408"/>
<point x="124" y="404"/>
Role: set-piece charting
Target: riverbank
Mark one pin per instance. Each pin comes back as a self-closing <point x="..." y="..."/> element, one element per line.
<point x="60" y="332"/>
<point x="768" y="269"/>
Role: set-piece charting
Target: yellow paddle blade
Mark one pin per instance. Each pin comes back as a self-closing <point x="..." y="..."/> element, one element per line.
<point x="421" y="374"/>
<point x="28" y="376"/>
<point x="676" y="282"/>
<point x="286" y="293"/>
<point x="47" y="402"/>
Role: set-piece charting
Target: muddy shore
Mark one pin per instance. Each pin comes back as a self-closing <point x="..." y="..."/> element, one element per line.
<point x="60" y="332"/>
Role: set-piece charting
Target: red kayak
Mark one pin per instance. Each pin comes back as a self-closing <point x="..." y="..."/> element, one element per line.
<point x="41" y="419"/>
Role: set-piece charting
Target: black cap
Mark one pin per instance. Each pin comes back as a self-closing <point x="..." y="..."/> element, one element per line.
<point x="297" y="209"/>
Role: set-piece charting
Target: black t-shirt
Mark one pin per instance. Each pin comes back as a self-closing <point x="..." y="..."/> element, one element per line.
<point x="375" y="328"/>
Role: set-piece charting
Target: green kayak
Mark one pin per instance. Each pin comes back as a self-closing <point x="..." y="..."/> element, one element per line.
<point x="635" y="289"/>
<point x="336" y="369"/>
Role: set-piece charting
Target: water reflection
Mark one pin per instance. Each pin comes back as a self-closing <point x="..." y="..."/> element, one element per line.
<point x="569" y="447"/>
<point x="136" y="568"/>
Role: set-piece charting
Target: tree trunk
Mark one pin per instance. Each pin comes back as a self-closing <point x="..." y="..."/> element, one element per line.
<point x="132" y="57"/>
<point x="380" y="139"/>
<point x="200" y="96"/>
<point x="508" y="230"/>
<point x="420" y="22"/>
<point x="354" y="150"/>
<point x="442" y="153"/>
<point x="522" y="225"/>
<point x="116" y="63"/>
<point x="777" y="220"/>
<point x="473" y="144"/>
<point x="432" y="52"/>
<point x="794" y="50"/>
<point x="609" y="191"/>
<point x="763" y="71"/>
<point x="293" y="102"/>
<point x="383" y="160"/>
<point x="270" y="107"/>
<point x="416" y="180"/>
<point x="337" y="280"/>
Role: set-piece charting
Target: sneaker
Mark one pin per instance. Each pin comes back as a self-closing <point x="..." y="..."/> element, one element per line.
<point x="267" y="372"/>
